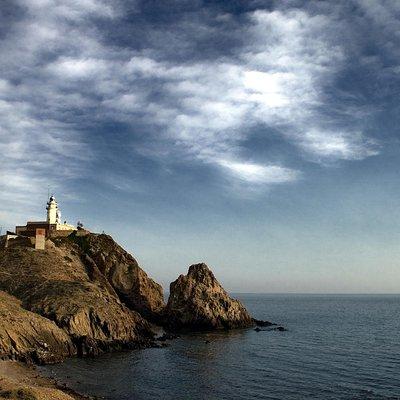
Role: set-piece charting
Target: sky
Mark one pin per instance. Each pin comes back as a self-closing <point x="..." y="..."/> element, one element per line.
<point x="260" y="137"/>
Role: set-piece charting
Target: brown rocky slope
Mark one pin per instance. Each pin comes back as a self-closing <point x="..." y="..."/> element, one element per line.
<point x="56" y="284"/>
<point x="198" y="302"/>
<point x="133" y="286"/>
<point x="27" y="336"/>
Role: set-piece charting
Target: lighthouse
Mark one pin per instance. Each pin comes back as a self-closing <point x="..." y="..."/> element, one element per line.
<point x="52" y="226"/>
<point x="53" y="212"/>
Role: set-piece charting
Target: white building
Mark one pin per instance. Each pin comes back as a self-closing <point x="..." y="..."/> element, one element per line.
<point x="52" y="225"/>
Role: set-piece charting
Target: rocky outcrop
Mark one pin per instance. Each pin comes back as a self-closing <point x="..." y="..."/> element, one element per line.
<point x="56" y="284"/>
<point x="198" y="302"/>
<point x="130" y="282"/>
<point x="27" y="336"/>
<point x="84" y="294"/>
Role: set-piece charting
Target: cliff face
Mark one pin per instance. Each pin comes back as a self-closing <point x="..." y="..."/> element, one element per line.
<point x="85" y="294"/>
<point x="130" y="282"/>
<point x="27" y="336"/>
<point x="198" y="302"/>
<point x="56" y="284"/>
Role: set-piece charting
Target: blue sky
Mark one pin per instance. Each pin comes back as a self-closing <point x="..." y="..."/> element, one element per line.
<point x="258" y="136"/>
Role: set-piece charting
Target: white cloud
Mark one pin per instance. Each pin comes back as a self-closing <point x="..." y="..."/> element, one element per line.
<point x="278" y="80"/>
<point x="256" y="173"/>
<point x="71" y="9"/>
<point x="203" y="109"/>
<point x="344" y="145"/>
<point x="78" y="68"/>
<point x="267" y="88"/>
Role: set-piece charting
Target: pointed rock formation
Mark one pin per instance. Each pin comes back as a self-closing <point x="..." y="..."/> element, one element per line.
<point x="198" y="302"/>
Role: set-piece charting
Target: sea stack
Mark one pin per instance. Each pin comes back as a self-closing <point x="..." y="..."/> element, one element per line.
<point x="197" y="301"/>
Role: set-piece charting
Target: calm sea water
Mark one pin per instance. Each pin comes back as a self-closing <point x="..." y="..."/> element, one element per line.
<point x="336" y="347"/>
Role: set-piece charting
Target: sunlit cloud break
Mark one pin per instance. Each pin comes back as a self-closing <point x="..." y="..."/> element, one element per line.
<point x="255" y="173"/>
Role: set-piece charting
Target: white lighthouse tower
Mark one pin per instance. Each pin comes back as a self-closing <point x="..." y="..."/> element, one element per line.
<point x="54" y="217"/>
<point x="52" y="226"/>
<point x="53" y="213"/>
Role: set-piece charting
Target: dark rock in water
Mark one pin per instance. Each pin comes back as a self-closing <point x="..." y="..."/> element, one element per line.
<point x="198" y="302"/>
<point x="280" y="329"/>
<point x="160" y="345"/>
<point x="167" y="336"/>
<point x="260" y="322"/>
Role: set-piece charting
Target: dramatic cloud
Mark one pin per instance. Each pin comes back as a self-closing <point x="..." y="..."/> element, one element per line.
<point x="65" y="76"/>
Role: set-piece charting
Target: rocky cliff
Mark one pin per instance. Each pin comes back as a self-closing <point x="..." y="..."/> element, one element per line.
<point x="133" y="286"/>
<point x="27" y="336"/>
<point x="84" y="294"/>
<point x="198" y="302"/>
<point x="57" y="284"/>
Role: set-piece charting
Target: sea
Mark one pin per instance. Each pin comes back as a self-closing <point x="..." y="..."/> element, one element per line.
<point x="335" y="347"/>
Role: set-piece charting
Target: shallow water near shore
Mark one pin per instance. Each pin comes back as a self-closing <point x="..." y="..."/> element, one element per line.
<point x="336" y="347"/>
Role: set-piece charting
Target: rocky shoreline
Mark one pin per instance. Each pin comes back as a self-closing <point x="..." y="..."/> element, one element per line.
<point x="84" y="295"/>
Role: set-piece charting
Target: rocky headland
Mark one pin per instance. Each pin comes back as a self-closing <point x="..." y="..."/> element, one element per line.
<point x="84" y="294"/>
<point x="59" y="285"/>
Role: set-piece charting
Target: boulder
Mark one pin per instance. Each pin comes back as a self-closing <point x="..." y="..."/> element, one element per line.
<point x="198" y="302"/>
